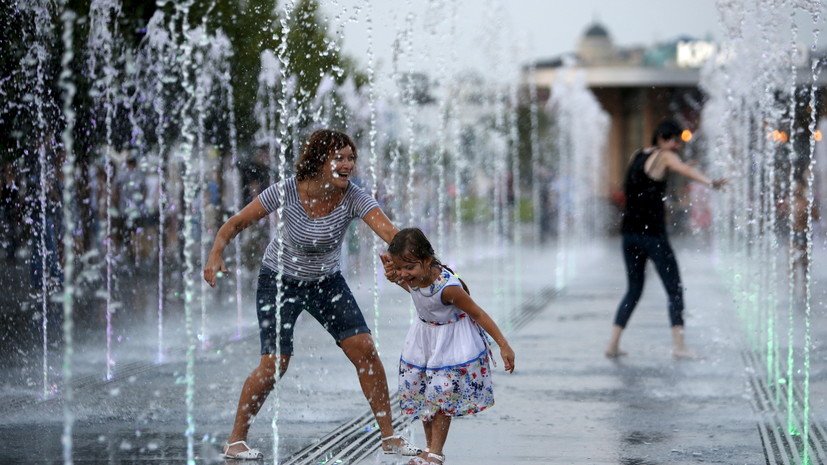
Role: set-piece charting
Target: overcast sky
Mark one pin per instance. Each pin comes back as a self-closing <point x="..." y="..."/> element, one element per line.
<point x="482" y="33"/>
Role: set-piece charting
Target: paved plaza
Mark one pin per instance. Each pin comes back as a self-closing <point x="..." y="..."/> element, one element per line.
<point x="565" y="404"/>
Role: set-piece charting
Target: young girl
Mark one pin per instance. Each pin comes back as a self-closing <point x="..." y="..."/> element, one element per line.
<point x="444" y="369"/>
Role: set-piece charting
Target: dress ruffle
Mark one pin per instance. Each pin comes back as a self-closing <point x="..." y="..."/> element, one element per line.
<point x="455" y="391"/>
<point x="445" y="367"/>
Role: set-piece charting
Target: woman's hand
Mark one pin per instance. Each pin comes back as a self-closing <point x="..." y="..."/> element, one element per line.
<point x="214" y="266"/>
<point x="390" y="268"/>
<point x="718" y="184"/>
<point x="253" y="212"/>
<point x="390" y="271"/>
<point x="507" y="353"/>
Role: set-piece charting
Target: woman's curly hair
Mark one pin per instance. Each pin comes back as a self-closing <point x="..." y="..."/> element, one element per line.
<point x="318" y="147"/>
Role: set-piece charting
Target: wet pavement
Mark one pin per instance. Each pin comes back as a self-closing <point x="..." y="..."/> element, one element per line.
<point x="568" y="404"/>
<point x="565" y="404"/>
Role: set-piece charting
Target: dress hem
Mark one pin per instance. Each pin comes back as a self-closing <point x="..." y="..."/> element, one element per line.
<point x="419" y="416"/>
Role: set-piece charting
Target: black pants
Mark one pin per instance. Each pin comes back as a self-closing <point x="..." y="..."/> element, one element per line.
<point x="637" y="248"/>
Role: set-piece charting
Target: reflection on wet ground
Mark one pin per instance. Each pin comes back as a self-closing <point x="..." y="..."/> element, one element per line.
<point x="565" y="404"/>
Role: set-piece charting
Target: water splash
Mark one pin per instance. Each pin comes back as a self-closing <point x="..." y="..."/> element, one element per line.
<point x="285" y="101"/>
<point x="156" y="61"/>
<point x="103" y="15"/>
<point x="191" y="188"/>
<point x="761" y="136"/>
<point x="38" y="54"/>
<point x="175" y="80"/>
<point x="68" y="172"/>
<point x="577" y="116"/>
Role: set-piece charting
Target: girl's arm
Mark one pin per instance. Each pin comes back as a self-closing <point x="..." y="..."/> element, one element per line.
<point x="253" y="212"/>
<point x="457" y="296"/>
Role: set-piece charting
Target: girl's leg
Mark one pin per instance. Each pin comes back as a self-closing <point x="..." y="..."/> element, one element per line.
<point x="426" y="425"/>
<point x="361" y="352"/>
<point x="258" y="385"/>
<point x="439" y="433"/>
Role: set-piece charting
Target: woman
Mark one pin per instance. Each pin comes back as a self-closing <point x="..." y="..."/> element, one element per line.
<point x="644" y="230"/>
<point x="302" y="267"/>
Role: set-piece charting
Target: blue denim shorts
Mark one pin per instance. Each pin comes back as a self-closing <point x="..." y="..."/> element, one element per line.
<point x="329" y="300"/>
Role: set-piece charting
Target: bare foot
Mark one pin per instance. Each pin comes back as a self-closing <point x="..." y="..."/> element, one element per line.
<point x="614" y="353"/>
<point x="685" y="353"/>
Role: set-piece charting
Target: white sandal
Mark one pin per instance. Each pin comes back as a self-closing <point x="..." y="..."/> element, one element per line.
<point x="405" y="448"/>
<point x="420" y="461"/>
<point x="249" y="454"/>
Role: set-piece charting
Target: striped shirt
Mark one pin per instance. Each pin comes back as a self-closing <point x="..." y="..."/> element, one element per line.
<point x="310" y="247"/>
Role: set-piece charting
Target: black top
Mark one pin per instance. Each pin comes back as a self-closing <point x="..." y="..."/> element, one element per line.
<point x="644" y="200"/>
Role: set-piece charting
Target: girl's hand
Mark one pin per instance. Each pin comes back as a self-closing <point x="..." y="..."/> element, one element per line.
<point x="212" y="268"/>
<point x="507" y="354"/>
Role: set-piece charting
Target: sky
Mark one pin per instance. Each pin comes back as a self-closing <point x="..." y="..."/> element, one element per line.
<point x="537" y="29"/>
<point x="485" y="34"/>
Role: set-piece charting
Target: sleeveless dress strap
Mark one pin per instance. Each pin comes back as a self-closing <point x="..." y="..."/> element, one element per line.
<point x="656" y="153"/>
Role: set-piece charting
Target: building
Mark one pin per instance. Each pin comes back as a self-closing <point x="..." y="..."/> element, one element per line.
<point x="638" y="87"/>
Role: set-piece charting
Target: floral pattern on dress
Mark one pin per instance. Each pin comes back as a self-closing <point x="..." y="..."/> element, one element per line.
<point x="436" y="286"/>
<point x="456" y="391"/>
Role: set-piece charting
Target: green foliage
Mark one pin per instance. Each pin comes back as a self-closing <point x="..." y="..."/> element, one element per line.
<point x="475" y="209"/>
<point x="257" y="25"/>
<point x="310" y="52"/>
<point x="525" y="213"/>
<point x="251" y="26"/>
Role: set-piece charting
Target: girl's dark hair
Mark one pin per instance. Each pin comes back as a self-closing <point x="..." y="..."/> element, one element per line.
<point x="318" y="147"/>
<point x="666" y="130"/>
<point x="411" y="245"/>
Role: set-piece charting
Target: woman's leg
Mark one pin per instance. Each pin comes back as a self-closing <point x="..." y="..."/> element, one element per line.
<point x="634" y="256"/>
<point x="360" y="350"/>
<point x="613" y="349"/>
<point x="667" y="266"/>
<point x="679" y="349"/>
<point x="258" y="385"/>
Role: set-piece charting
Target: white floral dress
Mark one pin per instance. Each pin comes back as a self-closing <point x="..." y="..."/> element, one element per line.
<point x="445" y="360"/>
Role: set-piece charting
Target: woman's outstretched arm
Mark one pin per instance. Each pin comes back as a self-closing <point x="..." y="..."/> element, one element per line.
<point x="675" y="164"/>
<point x="380" y="224"/>
<point x="253" y="212"/>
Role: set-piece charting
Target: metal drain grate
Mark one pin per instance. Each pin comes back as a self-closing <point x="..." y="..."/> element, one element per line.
<point x="780" y="446"/>
<point x="351" y="442"/>
<point x="532" y="306"/>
